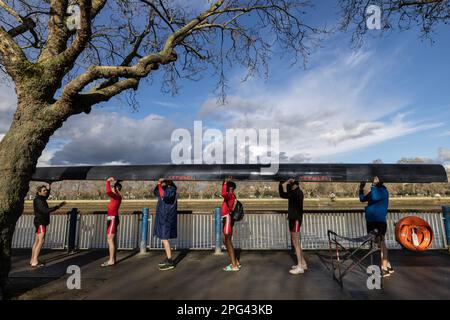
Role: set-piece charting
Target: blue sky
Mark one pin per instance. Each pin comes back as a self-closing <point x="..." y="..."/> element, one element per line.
<point x="387" y="100"/>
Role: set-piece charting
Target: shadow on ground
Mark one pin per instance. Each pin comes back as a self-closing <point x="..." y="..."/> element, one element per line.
<point x="24" y="279"/>
<point x="199" y="275"/>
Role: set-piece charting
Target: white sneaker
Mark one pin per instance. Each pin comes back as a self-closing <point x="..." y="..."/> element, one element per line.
<point x="304" y="266"/>
<point x="297" y="270"/>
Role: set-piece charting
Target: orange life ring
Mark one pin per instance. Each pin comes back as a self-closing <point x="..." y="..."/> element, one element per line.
<point x="407" y="227"/>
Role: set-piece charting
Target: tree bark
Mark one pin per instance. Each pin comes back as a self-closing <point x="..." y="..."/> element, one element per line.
<point x="20" y="150"/>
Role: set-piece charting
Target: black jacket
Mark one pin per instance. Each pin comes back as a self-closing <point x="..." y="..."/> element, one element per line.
<point x="42" y="211"/>
<point x="295" y="204"/>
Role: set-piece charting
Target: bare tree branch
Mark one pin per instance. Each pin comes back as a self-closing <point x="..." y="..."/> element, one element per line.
<point x="11" y="11"/>
<point x="164" y="18"/>
<point x="82" y="36"/>
<point x="143" y="67"/>
<point x="98" y="61"/>
<point x="134" y="51"/>
<point x="12" y="56"/>
<point x="424" y="15"/>
<point x="59" y="34"/>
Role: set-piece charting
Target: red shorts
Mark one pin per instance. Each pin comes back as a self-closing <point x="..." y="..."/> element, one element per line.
<point x="111" y="225"/>
<point x="227" y="225"/>
<point x="294" y="225"/>
<point x="40" y="229"/>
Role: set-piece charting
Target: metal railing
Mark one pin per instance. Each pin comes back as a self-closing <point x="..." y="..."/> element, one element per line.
<point x="91" y="231"/>
<point x="195" y="231"/>
<point x="257" y="231"/>
<point x="56" y="236"/>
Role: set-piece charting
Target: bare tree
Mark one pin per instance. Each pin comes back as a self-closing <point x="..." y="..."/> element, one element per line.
<point x="59" y="71"/>
<point x="187" y="189"/>
<point x="210" y="190"/>
<point x="424" y="15"/>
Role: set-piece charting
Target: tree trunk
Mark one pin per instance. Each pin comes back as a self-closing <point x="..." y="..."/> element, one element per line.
<point x="13" y="189"/>
<point x="20" y="150"/>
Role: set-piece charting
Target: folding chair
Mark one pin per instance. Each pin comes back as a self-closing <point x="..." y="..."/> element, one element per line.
<point x="340" y="254"/>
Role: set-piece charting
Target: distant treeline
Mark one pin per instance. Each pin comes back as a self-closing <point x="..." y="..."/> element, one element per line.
<point x="95" y="190"/>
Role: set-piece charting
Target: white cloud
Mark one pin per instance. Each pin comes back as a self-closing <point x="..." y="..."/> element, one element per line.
<point x="322" y="112"/>
<point x="110" y="138"/>
<point x="8" y="103"/>
<point x="444" y="154"/>
<point x="99" y="138"/>
<point x="46" y="157"/>
<point x="115" y="163"/>
<point x="167" y="104"/>
<point x="351" y="132"/>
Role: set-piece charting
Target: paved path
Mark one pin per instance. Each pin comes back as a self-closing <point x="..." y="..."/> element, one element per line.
<point x="199" y="275"/>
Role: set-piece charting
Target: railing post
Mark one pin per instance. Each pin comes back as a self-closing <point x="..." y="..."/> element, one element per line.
<point x="446" y="214"/>
<point x="218" y="231"/>
<point x="73" y="217"/>
<point x="144" y="231"/>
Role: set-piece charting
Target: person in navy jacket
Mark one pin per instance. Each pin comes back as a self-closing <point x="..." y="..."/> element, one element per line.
<point x="166" y="218"/>
<point x="375" y="213"/>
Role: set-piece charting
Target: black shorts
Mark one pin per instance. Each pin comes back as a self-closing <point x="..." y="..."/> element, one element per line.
<point x="378" y="225"/>
<point x="294" y="225"/>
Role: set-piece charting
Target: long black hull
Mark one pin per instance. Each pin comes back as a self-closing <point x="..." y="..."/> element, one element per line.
<point x="400" y="173"/>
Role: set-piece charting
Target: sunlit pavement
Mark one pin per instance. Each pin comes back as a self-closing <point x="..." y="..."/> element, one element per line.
<point x="199" y="275"/>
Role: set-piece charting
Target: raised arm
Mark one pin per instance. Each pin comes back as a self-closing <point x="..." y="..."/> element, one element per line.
<point x="109" y="191"/>
<point x="281" y="191"/>
<point x="363" y="197"/>
<point x="43" y="209"/>
<point x="224" y="190"/>
<point x="159" y="191"/>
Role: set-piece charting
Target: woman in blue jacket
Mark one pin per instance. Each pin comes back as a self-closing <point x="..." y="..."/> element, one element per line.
<point x="166" y="218"/>
<point x="375" y="212"/>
